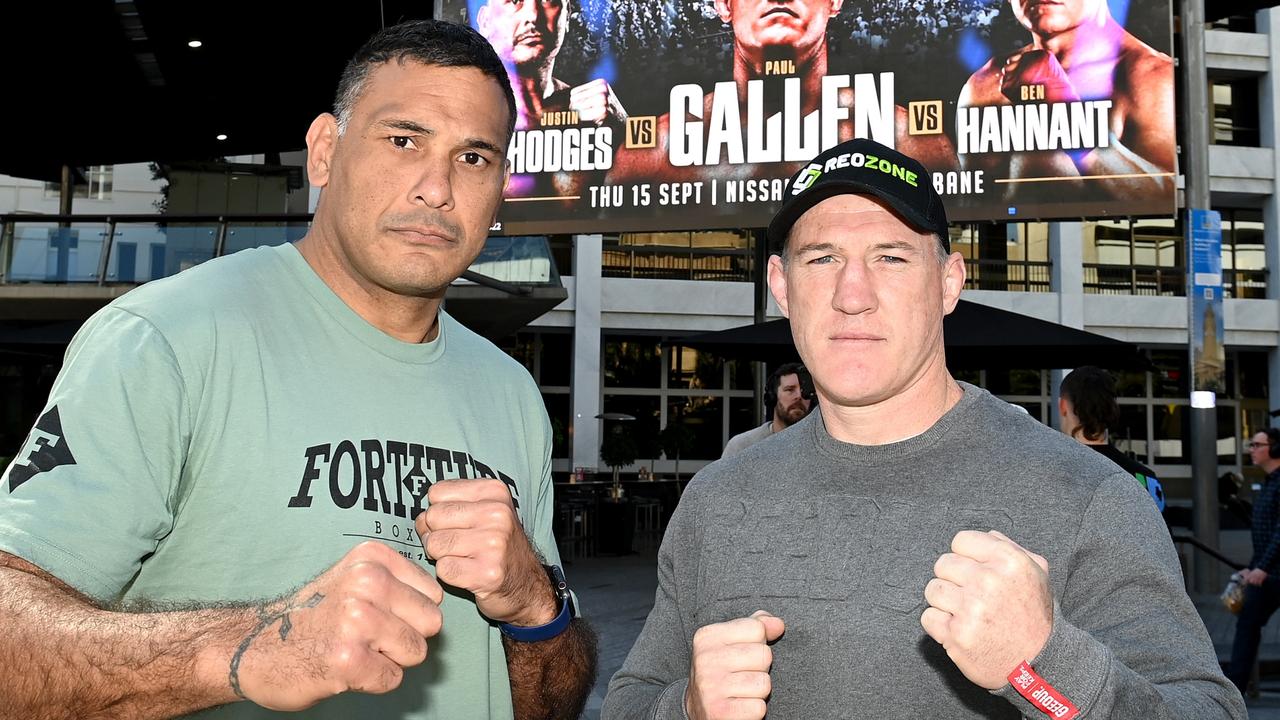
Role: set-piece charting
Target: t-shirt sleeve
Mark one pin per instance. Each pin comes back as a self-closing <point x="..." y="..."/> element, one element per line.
<point x="90" y="493"/>
<point x="543" y="511"/>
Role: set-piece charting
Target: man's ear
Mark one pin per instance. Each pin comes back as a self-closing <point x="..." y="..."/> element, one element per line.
<point x="778" y="283"/>
<point x="953" y="277"/>
<point x="724" y="11"/>
<point x="322" y="139"/>
<point x="484" y="19"/>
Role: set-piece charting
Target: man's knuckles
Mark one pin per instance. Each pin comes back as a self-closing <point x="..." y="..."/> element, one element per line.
<point x="356" y="620"/>
<point x="369" y="578"/>
<point x="413" y="645"/>
<point x="370" y="551"/>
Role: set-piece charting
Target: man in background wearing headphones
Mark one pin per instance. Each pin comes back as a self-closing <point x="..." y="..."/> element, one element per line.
<point x="788" y="397"/>
<point x="1262" y="584"/>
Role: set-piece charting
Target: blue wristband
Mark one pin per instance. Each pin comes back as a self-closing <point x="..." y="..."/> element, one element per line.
<point x="557" y="625"/>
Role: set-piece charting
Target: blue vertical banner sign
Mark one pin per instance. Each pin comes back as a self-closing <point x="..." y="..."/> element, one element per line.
<point x="1208" y="349"/>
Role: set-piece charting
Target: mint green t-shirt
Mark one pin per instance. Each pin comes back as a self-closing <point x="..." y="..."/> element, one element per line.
<point x="229" y="433"/>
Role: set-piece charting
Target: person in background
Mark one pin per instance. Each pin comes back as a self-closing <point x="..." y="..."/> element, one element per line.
<point x="788" y="397"/>
<point x="1262" y="582"/>
<point x="1088" y="410"/>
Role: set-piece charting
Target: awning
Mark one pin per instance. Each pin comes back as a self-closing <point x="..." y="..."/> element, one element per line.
<point x="977" y="337"/>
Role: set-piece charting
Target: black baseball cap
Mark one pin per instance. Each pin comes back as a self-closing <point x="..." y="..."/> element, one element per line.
<point x="863" y="167"/>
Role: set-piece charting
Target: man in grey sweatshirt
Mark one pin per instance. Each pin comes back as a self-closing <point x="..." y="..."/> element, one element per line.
<point x="917" y="548"/>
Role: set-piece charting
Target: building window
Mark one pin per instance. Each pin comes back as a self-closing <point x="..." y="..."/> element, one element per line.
<point x="549" y="358"/>
<point x="1235" y="23"/>
<point x="713" y="255"/>
<point x="562" y="253"/>
<point x="1244" y="256"/>
<point x="1148" y="256"/>
<point x="97" y="184"/>
<point x="660" y="382"/>
<point x="1004" y="256"/>
<point x="1235" y="111"/>
<point x="1134" y="257"/>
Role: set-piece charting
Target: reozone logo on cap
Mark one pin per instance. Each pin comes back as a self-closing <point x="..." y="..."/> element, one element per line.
<point x="854" y="160"/>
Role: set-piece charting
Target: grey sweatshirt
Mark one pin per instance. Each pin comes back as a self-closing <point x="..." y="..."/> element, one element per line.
<point x="839" y="541"/>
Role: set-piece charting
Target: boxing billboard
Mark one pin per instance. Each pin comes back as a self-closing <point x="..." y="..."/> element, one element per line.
<point x="652" y="115"/>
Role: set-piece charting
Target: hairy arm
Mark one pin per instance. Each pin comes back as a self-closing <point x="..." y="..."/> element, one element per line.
<point x="353" y="628"/>
<point x="65" y="657"/>
<point x="552" y="679"/>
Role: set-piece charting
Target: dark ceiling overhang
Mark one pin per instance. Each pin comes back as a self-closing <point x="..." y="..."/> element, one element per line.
<point x="977" y="336"/>
<point x="101" y="82"/>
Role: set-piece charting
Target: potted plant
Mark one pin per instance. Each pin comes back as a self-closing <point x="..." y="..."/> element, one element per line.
<point x="618" y="449"/>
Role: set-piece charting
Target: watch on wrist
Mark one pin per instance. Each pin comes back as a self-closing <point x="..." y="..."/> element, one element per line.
<point x="564" y="599"/>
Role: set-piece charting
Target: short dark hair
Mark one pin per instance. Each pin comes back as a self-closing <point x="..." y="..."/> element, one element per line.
<point x="1092" y="394"/>
<point x="430" y="42"/>
<point x="775" y="381"/>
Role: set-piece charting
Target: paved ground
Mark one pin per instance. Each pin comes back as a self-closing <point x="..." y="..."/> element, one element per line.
<point x="617" y="592"/>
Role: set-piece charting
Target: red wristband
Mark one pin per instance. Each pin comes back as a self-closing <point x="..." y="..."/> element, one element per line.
<point x="1041" y="694"/>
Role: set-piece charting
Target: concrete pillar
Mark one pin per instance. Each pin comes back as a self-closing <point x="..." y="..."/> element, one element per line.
<point x="587" y="250"/>
<point x="1066" y="279"/>
<point x="1268" y="117"/>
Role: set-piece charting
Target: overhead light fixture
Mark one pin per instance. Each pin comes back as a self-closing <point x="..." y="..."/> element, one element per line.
<point x="222" y="136"/>
<point x="194" y="44"/>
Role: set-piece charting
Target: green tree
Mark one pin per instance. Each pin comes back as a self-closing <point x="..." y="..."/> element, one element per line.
<point x="618" y="449"/>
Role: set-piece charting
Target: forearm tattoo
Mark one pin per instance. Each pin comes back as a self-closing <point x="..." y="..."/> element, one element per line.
<point x="266" y="619"/>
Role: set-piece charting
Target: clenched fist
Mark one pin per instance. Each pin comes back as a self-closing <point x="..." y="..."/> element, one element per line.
<point x="471" y="531"/>
<point x="1036" y="67"/>
<point x="729" y="674"/>
<point x="990" y="606"/>
<point x="596" y="103"/>
<point x="355" y="627"/>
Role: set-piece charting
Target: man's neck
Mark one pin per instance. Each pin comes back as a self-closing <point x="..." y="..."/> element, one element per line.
<point x="896" y="418"/>
<point x="1102" y="440"/>
<point x="531" y="89"/>
<point x="777" y="425"/>
<point x="811" y="67"/>
<point x="1270" y="467"/>
<point x="409" y="319"/>
<point x="1086" y="43"/>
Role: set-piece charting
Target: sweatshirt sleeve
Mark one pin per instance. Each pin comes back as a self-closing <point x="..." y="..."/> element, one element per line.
<point x="1267" y="560"/>
<point x="653" y="678"/>
<point x="1126" y="639"/>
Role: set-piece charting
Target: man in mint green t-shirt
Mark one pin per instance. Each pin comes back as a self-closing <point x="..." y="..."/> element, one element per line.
<point x="286" y="480"/>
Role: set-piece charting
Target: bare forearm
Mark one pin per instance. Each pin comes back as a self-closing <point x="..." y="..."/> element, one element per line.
<point x="550" y="680"/>
<point x="66" y="658"/>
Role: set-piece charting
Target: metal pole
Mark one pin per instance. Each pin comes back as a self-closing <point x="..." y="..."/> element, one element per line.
<point x="1204" y="418"/>
<point x="6" y="248"/>
<point x="220" y="240"/>
<point x="760" y="247"/>
<point x="65" y="194"/>
<point x="105" y="259"/>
